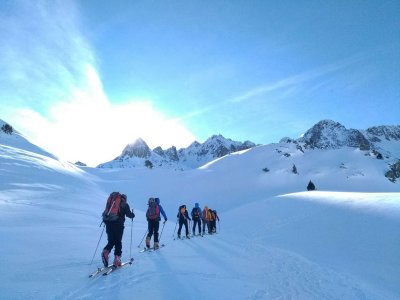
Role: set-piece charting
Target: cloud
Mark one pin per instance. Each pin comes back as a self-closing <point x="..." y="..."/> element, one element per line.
<point x="51" y="91"/>
<point x="296" y="81"/>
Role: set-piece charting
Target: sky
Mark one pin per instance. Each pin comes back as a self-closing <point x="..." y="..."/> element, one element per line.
<point x="84" y="78"/>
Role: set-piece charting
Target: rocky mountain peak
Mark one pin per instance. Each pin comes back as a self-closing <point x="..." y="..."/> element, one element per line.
<point x="138" y="148"/>
<point x="328" y="134"/>
<point x="379" y="133"/>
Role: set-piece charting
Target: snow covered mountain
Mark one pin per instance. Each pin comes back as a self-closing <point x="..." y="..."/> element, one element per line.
<point x="196" y="155"/>
<point x="381" y="142"/>
<point x="328" y="134"/>
<point x="12" y="138"/>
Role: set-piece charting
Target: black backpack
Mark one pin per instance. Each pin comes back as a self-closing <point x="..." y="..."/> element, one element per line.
<point x="196" y="213"/>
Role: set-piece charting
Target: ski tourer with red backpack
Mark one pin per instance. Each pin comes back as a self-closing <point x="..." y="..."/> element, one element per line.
<point x="153" y="221"/>
<point x="114" y="214"/>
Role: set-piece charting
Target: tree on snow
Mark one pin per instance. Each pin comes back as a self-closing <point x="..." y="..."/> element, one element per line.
<point x="148" y="164"/>
<point x="310" y="186"/>
<point x="7" y="128"/>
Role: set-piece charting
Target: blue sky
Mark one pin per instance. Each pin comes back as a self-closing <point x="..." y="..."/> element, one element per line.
<point x="84" y="78"/>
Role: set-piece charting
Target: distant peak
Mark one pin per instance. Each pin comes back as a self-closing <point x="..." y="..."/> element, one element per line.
<point x="329" y="124"/>
<point x="138" y="148"/>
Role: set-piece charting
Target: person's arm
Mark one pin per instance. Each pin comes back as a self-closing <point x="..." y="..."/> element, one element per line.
<point x="128" y="212"/>
<point x="163" y="213"/>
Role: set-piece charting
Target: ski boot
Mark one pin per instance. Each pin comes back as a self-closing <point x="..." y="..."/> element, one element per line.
<point x="156" y="246"/>
<point x="148" y="242"/>
<point x="117" y="261"/>
<point x="104" y="257"/>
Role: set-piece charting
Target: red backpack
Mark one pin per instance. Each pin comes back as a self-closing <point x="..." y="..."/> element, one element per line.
<point x="153" y="212"/>
<point x="113" y="207"/>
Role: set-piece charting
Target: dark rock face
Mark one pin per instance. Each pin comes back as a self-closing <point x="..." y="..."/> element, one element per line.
<point x="328" y="134"/>
<point x="394" y="173"/>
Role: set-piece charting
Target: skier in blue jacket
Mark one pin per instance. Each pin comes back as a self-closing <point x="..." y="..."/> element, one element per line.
<point x="196" y="217"/>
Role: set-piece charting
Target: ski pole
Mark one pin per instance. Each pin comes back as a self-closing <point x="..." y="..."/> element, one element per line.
<point x="175" y="227"/>
<point x="143" y="238"/>
<point x="97" y="245"/>
<point x="130" y="249"/>
<point x="161" y="231"/>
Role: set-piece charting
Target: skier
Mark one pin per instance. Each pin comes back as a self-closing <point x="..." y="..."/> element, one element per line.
<point x="183" y="217"/>
<point x="205" y="218"/>
<point x="211" y="221"/>
<point x="153" y="219"/>
<point x="115" y="228"/>
<point x="214" y="222"/>
<point x="196" y="217"/>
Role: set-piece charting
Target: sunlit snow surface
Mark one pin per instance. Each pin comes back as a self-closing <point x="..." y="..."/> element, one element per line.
<point x="275" y="241"/>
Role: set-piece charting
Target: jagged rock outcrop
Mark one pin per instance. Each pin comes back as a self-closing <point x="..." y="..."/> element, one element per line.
<point x="328" y="134"/>
<point x="138" y="149"/>
<point x="193" y="156"/>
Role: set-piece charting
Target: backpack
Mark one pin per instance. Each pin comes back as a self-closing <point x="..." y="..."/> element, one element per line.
<point x="211" y="216"/>
<point x="113" y="207"/>
<point x="196" y="213"/>
<point x="153" y="212"/>
<point x="205" y="215"/>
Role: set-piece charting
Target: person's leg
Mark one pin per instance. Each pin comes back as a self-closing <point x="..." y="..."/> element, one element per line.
<point x="156" y="227"/>
<point x="119" y="231"/>
<point x="110" y="244"/>
<point x="180" y="228"/>
<point x="199" y="226"/>
<point x="186" y="227"/>
<point x="150" y="228"/>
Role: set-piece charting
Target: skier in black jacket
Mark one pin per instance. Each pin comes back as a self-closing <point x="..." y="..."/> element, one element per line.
<point x="115" y="230"/>
<point x="183" y="217"/>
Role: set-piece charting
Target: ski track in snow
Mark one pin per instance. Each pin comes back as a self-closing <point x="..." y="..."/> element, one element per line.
<point x="221" y="267"/>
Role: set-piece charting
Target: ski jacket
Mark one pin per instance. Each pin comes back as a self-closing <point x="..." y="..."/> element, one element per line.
<point x="161" y="210"/>
<point x="205" y="214"/>
<point x="183" y="216"/>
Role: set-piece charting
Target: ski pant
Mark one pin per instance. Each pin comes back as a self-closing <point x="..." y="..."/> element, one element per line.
<point x="183" y="222"/>
<point x="196" y="222"/>
<point x="213" y="225"/>
<point x="114" y="230"/>
<point x="205" y="222"/>
<point x="153" y="226"/>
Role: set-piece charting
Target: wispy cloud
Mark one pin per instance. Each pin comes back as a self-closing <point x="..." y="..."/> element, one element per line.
<point x="51" y="91"/>
<point x="296" y="81"/>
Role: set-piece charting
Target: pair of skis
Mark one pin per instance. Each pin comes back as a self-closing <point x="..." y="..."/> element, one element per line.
<point x="111" y="268"/>
<point x="151" y="249"/>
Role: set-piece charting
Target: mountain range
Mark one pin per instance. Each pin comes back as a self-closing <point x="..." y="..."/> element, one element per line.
<point x="382" y="142"/>
<point x="194" y="156"/>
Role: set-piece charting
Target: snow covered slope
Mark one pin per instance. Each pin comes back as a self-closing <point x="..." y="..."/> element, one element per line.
<point x="275" y="241"/>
